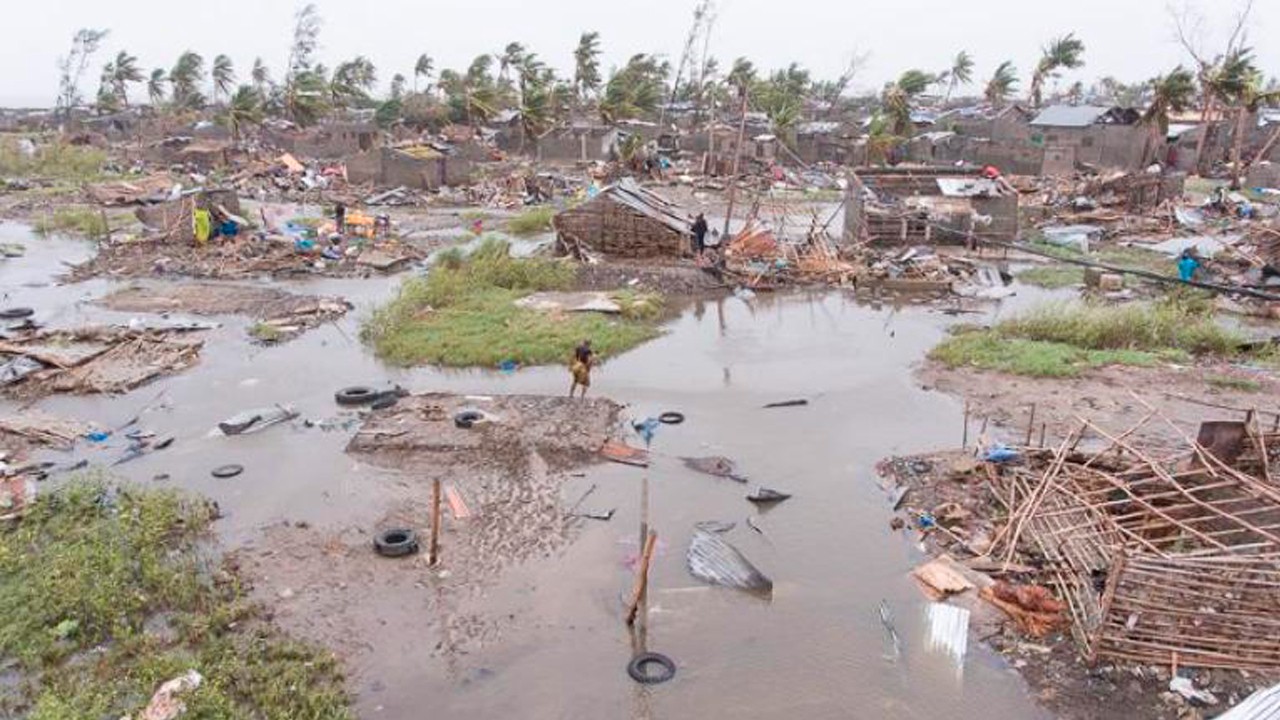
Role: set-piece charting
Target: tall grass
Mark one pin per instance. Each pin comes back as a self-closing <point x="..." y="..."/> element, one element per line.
<point x="532" y="221"/>
<point x="54" y="160"/>
<point x="463" y="314"/>
<point x="85" y="221"/>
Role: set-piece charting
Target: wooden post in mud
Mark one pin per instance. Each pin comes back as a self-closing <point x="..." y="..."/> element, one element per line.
<point x="642" y="578"/>
<point x="1031" y="425"/>
<point x="964" y="442"/>
<point x="433" y="554"/>
<point x="737" y="158"/>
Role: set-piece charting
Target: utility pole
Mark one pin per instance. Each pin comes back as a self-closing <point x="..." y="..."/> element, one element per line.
<point x="737" y="158"/>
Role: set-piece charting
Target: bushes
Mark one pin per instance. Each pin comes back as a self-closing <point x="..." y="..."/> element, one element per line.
<point x="532" y="221"/>
<point x="55" y="161"/>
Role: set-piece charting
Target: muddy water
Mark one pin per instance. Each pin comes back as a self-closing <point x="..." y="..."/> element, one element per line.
<point x="817" y="649"/>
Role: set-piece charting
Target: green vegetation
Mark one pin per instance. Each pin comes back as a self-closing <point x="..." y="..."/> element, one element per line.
<point x="1063" y="340"/>
<point x="266" y="333"/>
<point x="108" y="597"/>
<point x="54" y="161"/>
<point x="532" y="221"/>
<point x="1228" y="382"/>
<point x="90" y="222"/>
<point x="462" y="314"/>
<point x="1052" y="276"/>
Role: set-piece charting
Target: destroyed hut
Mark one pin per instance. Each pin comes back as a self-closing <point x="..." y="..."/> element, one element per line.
<point x="903" y="205"/>
<point x="625" y="220"/>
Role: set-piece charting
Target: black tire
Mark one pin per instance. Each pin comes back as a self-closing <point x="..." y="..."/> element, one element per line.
<point x="227" y="471"/>
<point x="397" y="542"/>
<point x="16" y="313"/>
<point x="671" y="418"/>
<point x="467" y="418"/>
<point x="356" y="395"/>
<point x="384" y="401"/>
<point x="636" y="668"/>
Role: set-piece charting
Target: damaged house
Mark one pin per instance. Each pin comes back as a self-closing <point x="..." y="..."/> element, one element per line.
<point x="625" y="220"/>
<point x="1110" y="138"/>
<point x="909" y="205"/>
<point x="420" y="167"/>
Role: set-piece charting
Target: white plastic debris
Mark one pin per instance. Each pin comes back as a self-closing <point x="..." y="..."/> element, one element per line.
<point x="1185" y="688"/>
<point x="165" y="704"/>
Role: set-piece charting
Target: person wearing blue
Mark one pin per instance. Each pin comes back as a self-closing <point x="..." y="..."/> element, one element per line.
<point x="1187" y="265"/>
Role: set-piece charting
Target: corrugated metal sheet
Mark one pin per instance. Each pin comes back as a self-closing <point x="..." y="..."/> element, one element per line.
<point x="629" y="194"/>
<point x="1069" y="116"/>
<point x="1262" y="705"/>
<point x="949" y="630"/>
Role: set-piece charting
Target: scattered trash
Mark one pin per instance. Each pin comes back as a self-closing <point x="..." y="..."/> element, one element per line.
<point x="671" y="418"/>
<point x="638" y="668"/>
<point x="717" y="466"/>
<point x="1184" y="687"/>
<point x="16" y="313"/>
<point x="16" y="495"/>
<point x="227" y="471"/>
<point x="98" y="436"/>
<point x="396" y="543"/>
<point x="949" y="630"/>
<point x="18" y="368"/>
<point x="765" y="496"/>
<point x="1033" y="609"/>
<point x="715" y="561"/>
<point x="165" y="704"/>
<point x="715" y="526"/>
<point x="886" y="619"/>
<point x="1262" y="705"/>
<point x="252" y="421"/>
<point x="999" y="453"/>
<point x="622" y="453"/>
<point x="385" y="401"/>
<point x="456" y="504"/>
<point x="468" y="417"/>
<point x="647" y="429"/>
<point x="787" y="404"/>
<point x="751" y="523"/>
<point x="941" y="578"/>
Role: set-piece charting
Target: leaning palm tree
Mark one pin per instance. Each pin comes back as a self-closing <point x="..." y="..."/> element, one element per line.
<point x="586" y="65"/>
<point x="1064" y="53"/>
<point x="1170" y="93"/>
<point x="224" y="76"/>
<point x="960" y="72"/>
<point x="243" y="109"/>
<point x="1002" y="84"/>
<point x="155" y="86"/>
<point x="125" y="72"/>
<point x="512" y="56"/>
<point x="260" y="76"/>
<point x="185" y="78"/>
<point x="423" y="68"/>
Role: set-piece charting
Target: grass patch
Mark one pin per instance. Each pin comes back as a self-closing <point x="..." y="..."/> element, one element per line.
<point x="1052" y="276"/>
<point x="266" y="333"/>
<point x="54" y="160"/>
<point x="1063" y="340"/>
<point x="107" y="597"/>
<point x="1227" y="382"/>
<point x="532" y="221"/>
<point x="462" y="314"/>
<point x="1128" y="257"/>
<point x="85" y="221"/>
<point x="988" y="350"/>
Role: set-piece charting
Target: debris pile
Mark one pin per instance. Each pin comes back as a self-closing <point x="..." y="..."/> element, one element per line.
<point x="93" y="359"/>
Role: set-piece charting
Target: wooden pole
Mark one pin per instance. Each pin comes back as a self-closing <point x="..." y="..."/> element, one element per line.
<point x="737" y="158"/>
<point x="964" y="441"/>
<point x="1031" y="424"/>
<point x="642" y="578"/>
<point x="433" y="556"/>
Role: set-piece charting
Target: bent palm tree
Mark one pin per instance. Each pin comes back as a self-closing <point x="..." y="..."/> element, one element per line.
<point x="1170" y="93"/>
<point x="224" y="76"/>
<point x="155" y="86"/>
<point x="586" y="65"/>
<point x="244" y="108"/>
<point x="124" y="73"/>
<point x="422" y="68"/>
<point x="1066" y="53"/>
<point x="960" y="72"/>
<point x="1002" y="84"/>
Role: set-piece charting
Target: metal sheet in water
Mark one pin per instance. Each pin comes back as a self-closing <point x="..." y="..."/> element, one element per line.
<point x="949" y="630"/>
<point x="713" y="560"/>
<point x="1262" y="705"/>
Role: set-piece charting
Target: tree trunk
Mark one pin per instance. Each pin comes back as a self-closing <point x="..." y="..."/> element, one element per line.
<point x="1204" y="134"/>
<point x="1237" y="147"/>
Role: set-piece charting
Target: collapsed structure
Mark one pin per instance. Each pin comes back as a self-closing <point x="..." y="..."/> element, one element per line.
<point x="625" y="220"/>
<point x="1159" y="559"/>
<point x="906" y="205"/>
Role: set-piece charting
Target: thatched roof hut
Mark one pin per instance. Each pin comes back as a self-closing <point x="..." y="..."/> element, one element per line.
<point x="625" y="220"/>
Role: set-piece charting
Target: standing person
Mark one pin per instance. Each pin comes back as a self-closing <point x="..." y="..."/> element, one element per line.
<point x="699" y="230"/>
<point x="340" y="218"/>
<point x="1188" y="264"/>
<point x="580" y="368"/>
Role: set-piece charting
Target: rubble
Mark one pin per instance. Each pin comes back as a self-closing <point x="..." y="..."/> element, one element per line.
<point x="94" y="360"/>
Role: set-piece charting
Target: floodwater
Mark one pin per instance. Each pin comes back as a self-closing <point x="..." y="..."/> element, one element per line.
<point x="816" y="649"/>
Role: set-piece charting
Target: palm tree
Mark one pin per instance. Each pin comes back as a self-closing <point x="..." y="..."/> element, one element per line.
<point x="244" y="108"/>
<point x="898" y="100"/>
<point x="124" y="73"/>
<point x="397" y="86"/>
<point x="422" y="68"/>
<point x="1002" y="84"/>
<point x="742" y="75"/>
<point x="960" y="72"/>
<point x="260" y="76"/>
<point x="224" y="76"/>
<point x="185" y="78"/>
<point x="107" y="101"/>
<point x="155" y="86"/>
<point x="1062" y="53"/>
<point x="352" y="81"/>
<point x="511" y="57"/>
<point x="1170" y="93"/>
<point x="586" y="65"/>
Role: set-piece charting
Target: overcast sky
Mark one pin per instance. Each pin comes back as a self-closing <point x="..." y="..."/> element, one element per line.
<point x="1129" y="39"/>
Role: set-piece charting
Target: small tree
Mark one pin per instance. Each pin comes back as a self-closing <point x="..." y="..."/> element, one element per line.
<point x="71" y="67"/>
<point x="243" y="109"/>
